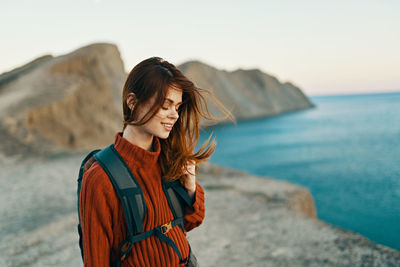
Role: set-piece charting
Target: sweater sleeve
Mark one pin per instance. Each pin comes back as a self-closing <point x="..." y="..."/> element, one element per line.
<point x="96" y="217"/>
<point x="194" y="216"/>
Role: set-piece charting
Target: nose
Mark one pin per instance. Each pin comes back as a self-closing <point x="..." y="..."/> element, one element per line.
<point x="173" y="114"/>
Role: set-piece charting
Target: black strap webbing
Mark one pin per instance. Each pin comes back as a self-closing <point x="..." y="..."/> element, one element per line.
<point x="176" y="185"/>
<point x="126" y="246"/>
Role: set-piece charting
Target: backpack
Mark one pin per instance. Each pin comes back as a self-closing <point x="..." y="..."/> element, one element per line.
<point x="131" y="196"/>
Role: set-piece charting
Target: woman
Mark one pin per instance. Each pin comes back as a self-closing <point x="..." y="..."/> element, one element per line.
<point x="162" y="111"/>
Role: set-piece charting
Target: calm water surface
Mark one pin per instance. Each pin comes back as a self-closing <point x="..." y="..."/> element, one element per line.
<point x="345" y="150"/>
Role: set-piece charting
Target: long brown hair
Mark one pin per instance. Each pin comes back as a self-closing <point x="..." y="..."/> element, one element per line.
<point x="153" y="77"/>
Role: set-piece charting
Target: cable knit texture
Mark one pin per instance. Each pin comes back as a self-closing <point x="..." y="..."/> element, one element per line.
<point x="103" y="221"/>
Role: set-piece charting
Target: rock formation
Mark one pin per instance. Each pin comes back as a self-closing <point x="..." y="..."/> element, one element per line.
<point x="247" y="93"/>
<point x="67" y="102"/>
<point x="73" y="102"/>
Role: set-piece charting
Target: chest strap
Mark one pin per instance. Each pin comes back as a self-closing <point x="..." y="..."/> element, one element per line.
<point x="160" y="232"/>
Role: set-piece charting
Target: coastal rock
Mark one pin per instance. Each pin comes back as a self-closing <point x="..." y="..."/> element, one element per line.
<point x="258" y="221"/>
<point x="267" y="190"/>
<point x="247" y="93"/>
<point x="64" y="103"/>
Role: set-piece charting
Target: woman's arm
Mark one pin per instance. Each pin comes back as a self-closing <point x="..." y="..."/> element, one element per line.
<point x="194" y="216"/>
<point x="96" y="217"/>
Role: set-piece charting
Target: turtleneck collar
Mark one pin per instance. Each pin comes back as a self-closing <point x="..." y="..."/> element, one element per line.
<point x="136" y="155"/>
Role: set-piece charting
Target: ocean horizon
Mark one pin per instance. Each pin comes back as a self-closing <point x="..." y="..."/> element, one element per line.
<point x="345" y="150"/>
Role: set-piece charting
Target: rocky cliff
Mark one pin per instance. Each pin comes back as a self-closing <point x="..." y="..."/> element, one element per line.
<point x="247" y="93"/>
<point x="66" y="102"/>
<point x="73" y="101"/>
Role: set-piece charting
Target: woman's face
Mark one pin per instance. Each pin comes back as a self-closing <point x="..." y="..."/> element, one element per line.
<point x="161" y="124"/>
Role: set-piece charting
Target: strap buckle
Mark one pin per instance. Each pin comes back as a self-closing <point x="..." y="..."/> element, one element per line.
<point x="124" y="249"/>
<point x="165" y="228"/>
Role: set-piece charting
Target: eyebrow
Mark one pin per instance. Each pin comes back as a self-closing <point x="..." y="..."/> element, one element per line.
<point x="171" y="101"/>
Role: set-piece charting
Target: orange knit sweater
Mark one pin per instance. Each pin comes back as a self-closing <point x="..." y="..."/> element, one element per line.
<point x="103" y="221"/>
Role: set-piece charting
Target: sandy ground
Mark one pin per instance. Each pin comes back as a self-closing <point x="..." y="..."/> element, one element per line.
<point x="249" y="221"/>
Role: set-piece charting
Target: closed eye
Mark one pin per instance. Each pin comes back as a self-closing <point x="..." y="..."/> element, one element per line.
<point x="177" y="110"/>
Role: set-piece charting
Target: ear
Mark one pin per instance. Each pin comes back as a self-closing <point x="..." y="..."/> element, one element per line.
<point x="131" y="100"/>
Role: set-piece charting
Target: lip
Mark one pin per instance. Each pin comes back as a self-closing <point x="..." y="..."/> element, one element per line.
<point x="167" y="126"/>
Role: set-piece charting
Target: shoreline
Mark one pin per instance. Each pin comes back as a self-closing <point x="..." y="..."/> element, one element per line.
<point x="250" y="221"/>
<point x="298" y="236"/>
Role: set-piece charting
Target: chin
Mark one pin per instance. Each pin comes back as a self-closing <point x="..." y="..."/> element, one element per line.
<point x="163" y="135"/>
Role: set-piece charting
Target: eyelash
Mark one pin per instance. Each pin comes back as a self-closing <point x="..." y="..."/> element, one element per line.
<point x="167" y="109"/>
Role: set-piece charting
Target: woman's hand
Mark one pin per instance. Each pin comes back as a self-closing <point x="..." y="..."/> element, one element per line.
<point x="189" y="182"/>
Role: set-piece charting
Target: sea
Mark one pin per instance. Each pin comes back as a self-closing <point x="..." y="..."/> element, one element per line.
<point x="345" y="150"/>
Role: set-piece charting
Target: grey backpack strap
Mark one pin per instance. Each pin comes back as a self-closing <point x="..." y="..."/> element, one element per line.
<point x="177" y="198"/>
<point x="126" y="186"/>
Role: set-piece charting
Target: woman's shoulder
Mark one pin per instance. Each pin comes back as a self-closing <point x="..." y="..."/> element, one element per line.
<point x="96" y="177"/>
<point x="97" y="191"/>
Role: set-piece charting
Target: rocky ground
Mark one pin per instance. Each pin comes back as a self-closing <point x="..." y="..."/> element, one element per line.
<point x="250" y="221"/>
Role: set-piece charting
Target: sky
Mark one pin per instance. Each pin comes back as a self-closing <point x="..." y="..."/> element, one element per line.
<point x="324" y="47"/>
